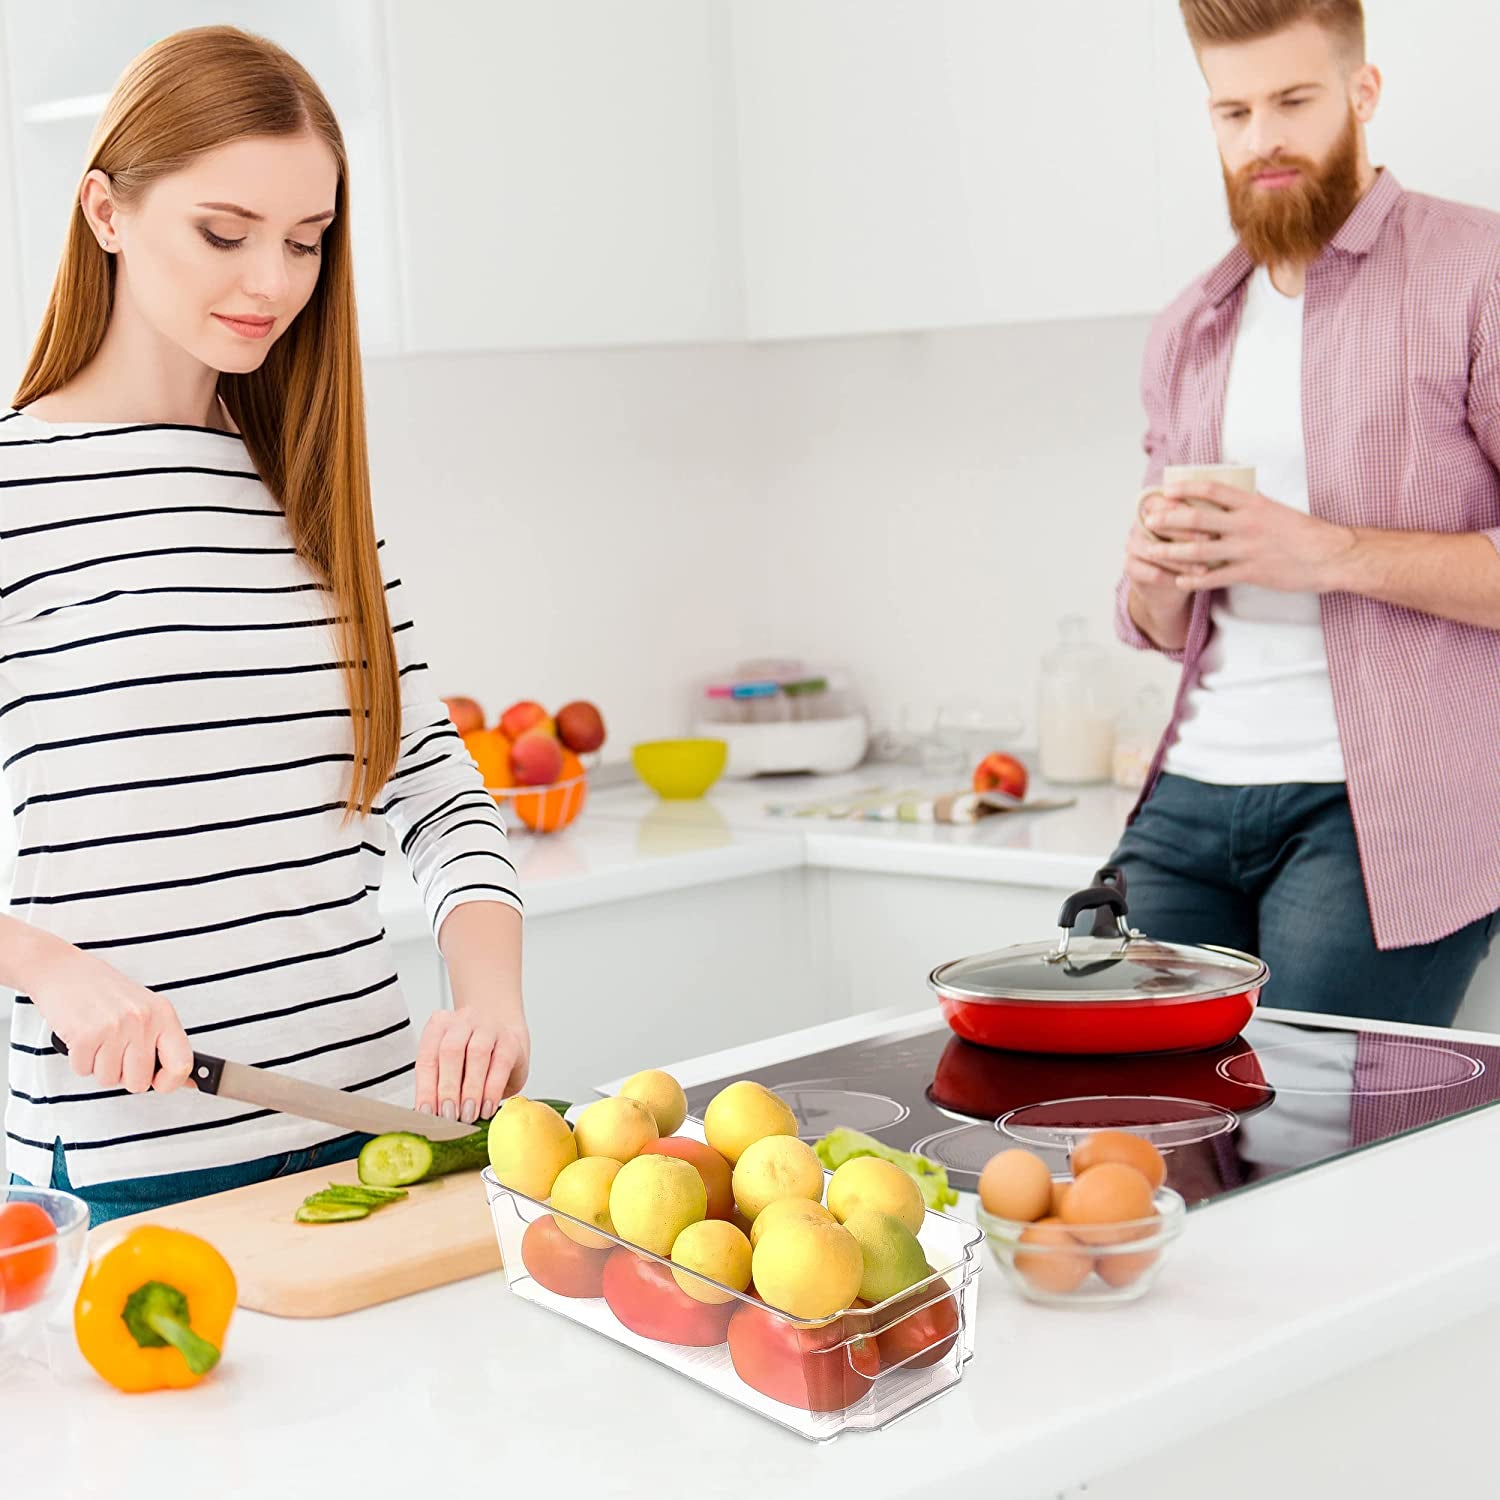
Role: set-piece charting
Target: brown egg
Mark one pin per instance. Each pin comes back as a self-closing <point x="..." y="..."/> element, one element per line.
<point x="1057" y="1263"/>
<point x="1016" y="1185"/>
<point x="1059" y="1192"/>
<point x="1110" y="1193"/>
<point x="1120" y="1146"/>
<point x="1120" y="1268"/>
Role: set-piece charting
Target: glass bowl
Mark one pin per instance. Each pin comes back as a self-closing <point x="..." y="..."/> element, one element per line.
<point x="38" y="1271"/>
<point x="543" y="809"/>
<point x="1085" y="1264"/>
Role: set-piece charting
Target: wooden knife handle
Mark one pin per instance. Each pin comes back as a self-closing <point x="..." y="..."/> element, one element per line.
<point x="207" y="1070"/>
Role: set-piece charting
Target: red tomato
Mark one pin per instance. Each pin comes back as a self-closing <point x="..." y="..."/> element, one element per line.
<point x="24" y="1274"/>
<point x="645" y="1297"/>
<point x="804" y="1367"/>
<point x="561" y="1264"/>
<point x="919" y="1339"/>
<point x="712" y="1168"/>
<point x="1000" y="773"/>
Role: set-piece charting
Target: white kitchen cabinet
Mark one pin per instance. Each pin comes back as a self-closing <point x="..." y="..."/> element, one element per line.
<point x="927" y="163"/>
<point x="62" y="59"/>
<point x="567" y="173"/>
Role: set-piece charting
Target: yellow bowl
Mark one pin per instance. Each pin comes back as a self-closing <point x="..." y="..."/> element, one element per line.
<point x="679" y="769"/>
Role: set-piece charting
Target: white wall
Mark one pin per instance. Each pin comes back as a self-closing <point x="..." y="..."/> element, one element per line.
<point x="920" y="508"/>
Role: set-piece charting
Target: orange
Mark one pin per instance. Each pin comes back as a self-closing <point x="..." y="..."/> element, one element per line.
<point x="548" y="811"/>
<point x="491" y="752"/>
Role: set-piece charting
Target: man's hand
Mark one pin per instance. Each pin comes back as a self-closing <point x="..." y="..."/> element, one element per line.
<point x="1250" y="539"/>
<point x="1158" y="606"/>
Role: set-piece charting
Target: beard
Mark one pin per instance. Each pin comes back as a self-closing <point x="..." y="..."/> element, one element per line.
<point x="1294" y="223"/>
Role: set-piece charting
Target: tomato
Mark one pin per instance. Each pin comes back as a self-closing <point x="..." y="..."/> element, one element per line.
<point x="561" y="1264"/>
<point x="24" y="1274"/>
<point x="712" y="1168"/>
<point x="920" y="1338"/>
<point x="811" y="1368"/>
<point x="1000" y="773"/>
<point x="645" y="1297"/>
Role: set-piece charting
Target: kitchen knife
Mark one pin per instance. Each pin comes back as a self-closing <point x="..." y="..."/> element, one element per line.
<point x="310" y="1101"/>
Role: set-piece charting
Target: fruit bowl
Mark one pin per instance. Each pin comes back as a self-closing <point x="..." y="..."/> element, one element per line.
<point x="1086" y="1264"/>
<point x="38" y="1272"/>
<point x="544" y="809"/>
<point x="858" y="1370"/>
<point x="679" y="770"/>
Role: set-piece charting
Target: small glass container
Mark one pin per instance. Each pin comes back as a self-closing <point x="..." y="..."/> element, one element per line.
<point x="1076" y="712"/>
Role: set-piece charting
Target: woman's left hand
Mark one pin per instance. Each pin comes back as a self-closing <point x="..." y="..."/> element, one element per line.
<point x="469" y="1061"/>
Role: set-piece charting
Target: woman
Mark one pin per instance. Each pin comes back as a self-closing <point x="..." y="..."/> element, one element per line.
<point x="210" y="702"/>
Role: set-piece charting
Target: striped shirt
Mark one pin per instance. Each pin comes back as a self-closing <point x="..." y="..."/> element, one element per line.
<point x="175" y="741"/>
<point x="1401" y="418"/>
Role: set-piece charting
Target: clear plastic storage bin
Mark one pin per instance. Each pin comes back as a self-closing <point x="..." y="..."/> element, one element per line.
<point x="858" y="1371"/>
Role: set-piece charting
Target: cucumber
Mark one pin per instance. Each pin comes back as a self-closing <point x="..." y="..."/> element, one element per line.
<point x="331" y="1213"/>
<point x="371" y="1197"/>
<point x="400" y="1159"/>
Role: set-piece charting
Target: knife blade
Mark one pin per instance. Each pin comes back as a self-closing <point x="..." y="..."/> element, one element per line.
<point x="310" y="1101"/>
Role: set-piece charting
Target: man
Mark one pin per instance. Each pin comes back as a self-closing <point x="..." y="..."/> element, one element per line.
<point x="1328" y="792"/>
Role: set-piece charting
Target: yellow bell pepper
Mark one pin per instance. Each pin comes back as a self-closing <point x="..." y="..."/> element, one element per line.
<point x="153" y="1309"/>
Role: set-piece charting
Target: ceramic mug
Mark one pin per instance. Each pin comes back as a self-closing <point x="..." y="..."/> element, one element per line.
<point x="1239" y="476"/>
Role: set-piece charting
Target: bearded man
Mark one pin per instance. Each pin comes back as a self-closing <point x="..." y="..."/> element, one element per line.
<point x="1327" y="794"/>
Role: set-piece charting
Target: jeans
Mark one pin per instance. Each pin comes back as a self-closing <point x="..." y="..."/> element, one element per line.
<point x="134" y="1195"/>
<point x="1274" y="870"/>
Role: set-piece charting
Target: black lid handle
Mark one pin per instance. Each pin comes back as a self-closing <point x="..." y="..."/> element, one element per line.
<point x="1107" y="894"/>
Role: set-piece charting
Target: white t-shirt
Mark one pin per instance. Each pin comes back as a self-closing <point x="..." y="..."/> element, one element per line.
<point x="1261" y="712"/>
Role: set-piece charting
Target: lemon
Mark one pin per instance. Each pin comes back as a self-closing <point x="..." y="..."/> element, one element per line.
<point x="776" y="1166"/>
<point x="653" y="1199"/>
<point x="662" y="1095"/>
<point x="529" y="1145"/>
<point x="893" y="1260"/>
<point x="867" y="1182"/>
<point x="582" y="1190"/>
<point x="786" y="1209"/>
<point x="808" y="1269"/>
<point x="741" y="1114"/>
<point x="714" y="1249"/>
<point x="617" y="1128"/>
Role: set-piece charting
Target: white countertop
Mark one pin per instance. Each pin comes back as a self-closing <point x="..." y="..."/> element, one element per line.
<point x="468" y="1390"/>
<point x="628" y="842"/>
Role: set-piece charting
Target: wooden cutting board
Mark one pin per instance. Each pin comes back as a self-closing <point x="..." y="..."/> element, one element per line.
<point x="440" y="1232"/>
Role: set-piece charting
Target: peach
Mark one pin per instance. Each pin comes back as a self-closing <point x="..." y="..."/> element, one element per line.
<point x="466" y="714"/>
<point x="536" y="759"/>
<point x="520" y="717"/>
<point x="580" y="726"/>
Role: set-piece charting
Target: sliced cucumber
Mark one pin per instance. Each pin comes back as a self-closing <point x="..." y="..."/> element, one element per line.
<point x="400" y="1159"/>
<point x="372" y="1197"/>
<point x="331" y="1213"/>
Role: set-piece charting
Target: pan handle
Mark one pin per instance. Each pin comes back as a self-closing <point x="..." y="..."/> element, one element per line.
<point x="1114" y="878"/>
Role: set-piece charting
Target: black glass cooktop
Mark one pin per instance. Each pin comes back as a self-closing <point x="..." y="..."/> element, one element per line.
<point x="1279" y="1098"/>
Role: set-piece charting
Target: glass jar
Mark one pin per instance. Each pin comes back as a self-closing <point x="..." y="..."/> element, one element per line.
<point x="1137" y="735"/>
<point x="1076" y="712"/>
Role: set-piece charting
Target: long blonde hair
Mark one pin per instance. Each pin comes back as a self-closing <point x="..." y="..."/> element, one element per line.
<point x="302" y="412"/>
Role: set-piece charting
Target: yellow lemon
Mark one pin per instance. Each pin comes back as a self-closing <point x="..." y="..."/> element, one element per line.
<point x="743" y="1113"/>
<point x="529" y="1145"/>
<point x="776" y="1166"/>
<point x="662" y="1095"/>
<point x="653" y="1199"/>
<point x="867" y="1182"/>
<point x="808" y="1269"/>
<point x="582" y="1190"/>
<point x="715" y="1249"/>
<point x="616" y="1127"/>
<point x="784" y="1209"/>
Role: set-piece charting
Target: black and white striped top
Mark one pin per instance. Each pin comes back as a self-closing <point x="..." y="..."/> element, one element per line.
<point x="175" y="740"/>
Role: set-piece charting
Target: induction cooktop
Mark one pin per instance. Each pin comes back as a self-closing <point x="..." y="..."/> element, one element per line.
<point x="1281" y="1097"/>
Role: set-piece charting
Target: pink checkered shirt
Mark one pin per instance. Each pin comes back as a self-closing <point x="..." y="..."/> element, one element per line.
<point x="1401" y="419"/>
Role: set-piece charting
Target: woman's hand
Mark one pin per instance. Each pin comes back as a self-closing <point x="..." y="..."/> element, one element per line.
<point x="118" y="1032"/>
<point x="470" y="1060"/>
